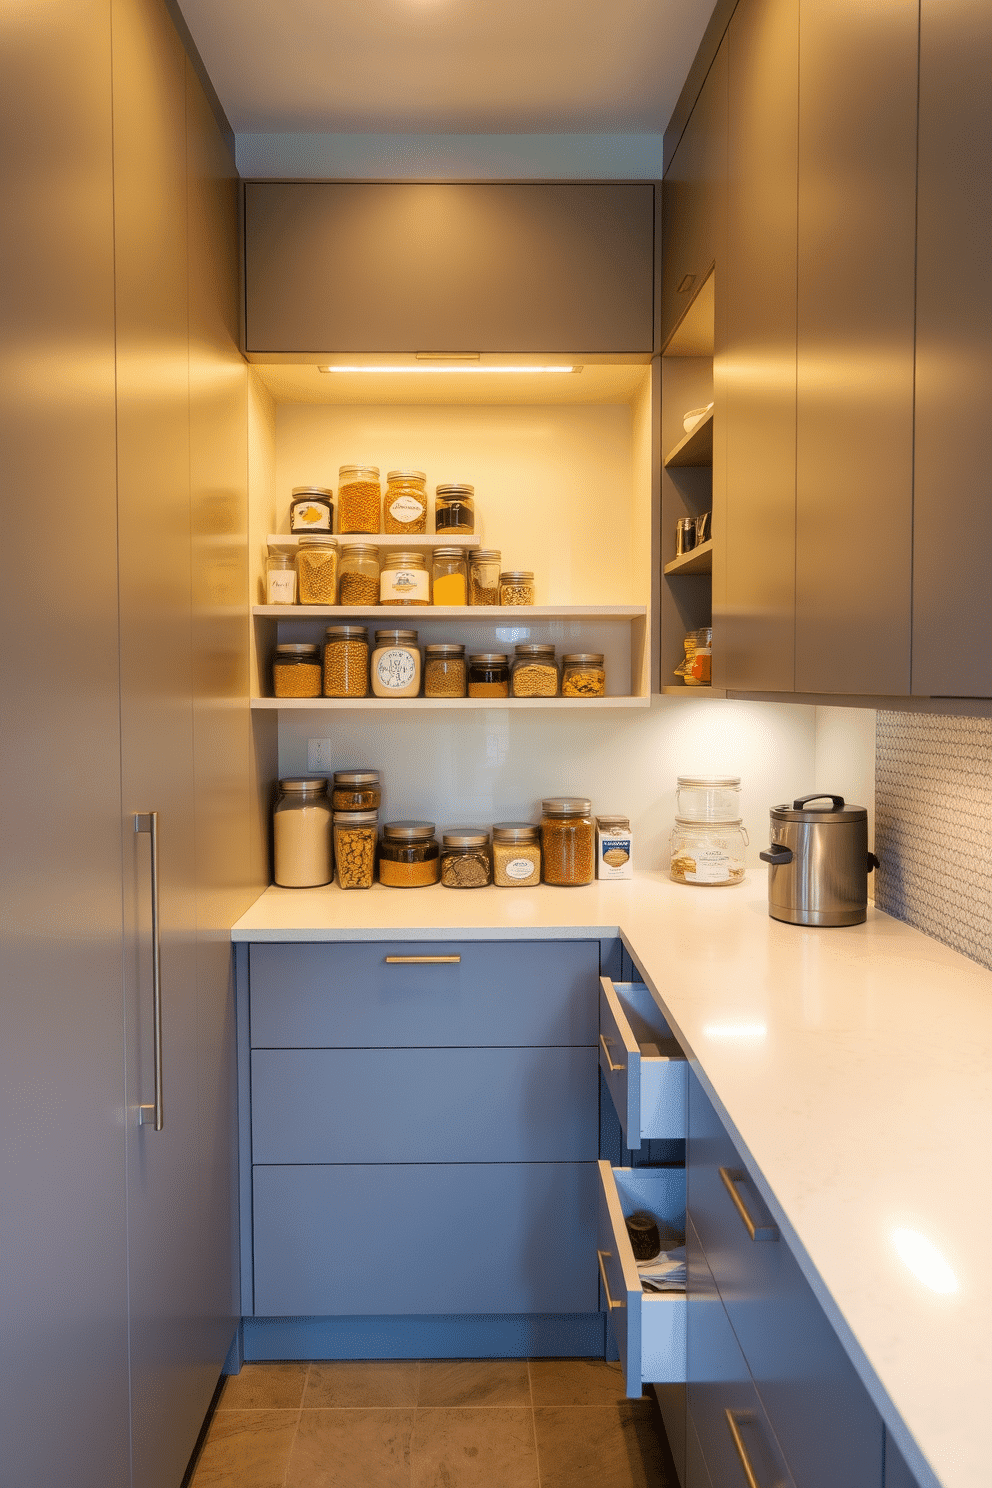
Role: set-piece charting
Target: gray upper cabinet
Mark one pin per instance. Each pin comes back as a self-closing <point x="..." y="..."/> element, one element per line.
<point x="952" y="597"/>
<point x="693" y="197"/>
<point x="334" y="267"/>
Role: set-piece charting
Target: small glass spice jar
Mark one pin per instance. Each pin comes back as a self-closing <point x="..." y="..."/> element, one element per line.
<point x="301" y="834"/>
<point x="535" y="671"/>
<point x="465" y="860"/>
<point x="444" y="671"/>
<point x="404" y="506"/>
<point x="311" y="509"/>
<point x="583" y="674"/>
<point x="359" y="498"/>
<point x="355" y="834"/>
<point x="296" y="671"/>
<point x="409" y="855"/>
<point x="449" y="576"/>
<point x="708" y="852"/>
<point x="358" y="582"/>
<point x="317" y="569"/>
<point x="516" y="854"/>
<point x="404" y="579"/>
<point x="395" y="665"/>
<point x="346" y="661"/>
<point x="568" y="841"/>
<point x="280" y="578"/>
<point x="454" y="508"/>
<point x="516" y="587"/>
<point x="483" y="576"/>
<point x="356" y="790"/>
<point x="488" y="675"/>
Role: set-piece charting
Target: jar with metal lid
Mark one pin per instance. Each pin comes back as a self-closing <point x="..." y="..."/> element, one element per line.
<point x="359" y="498"/>
<point x="568" y="845"/>
<point x="409" y="855"/>
<point x="516" y="587"/>
<point x="356" y="790"/>
<point x="444" y="670"/>
<point x="346" y="661"/>
<point x="359" y="575"/>
<point x="454" y="508"/>
<point x="465" y="860"/>
<point x="296" y="671"/>
<point x="708" y="852"/>
<point x="483" y="576"/>
<point x="535" y="671"/>
<point x="449" y="576"/>
<point x="317" y="569"/>
<point x="404" y="506"/>
<point x="395" y="665"/>
<point x="311" y="509"/>
<point x="516" y="854"/>
<point x="301" y="834"/>
<point x="355" y="834"/>
<point x="708" y="798"/>
<point x="280" y="578"/>
<point x="583" y="674"/>
<point x="488" y="675"/>
<point x="404" y="579"/>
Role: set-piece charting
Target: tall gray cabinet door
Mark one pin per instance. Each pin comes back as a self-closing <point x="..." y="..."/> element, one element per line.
<point x="952" y="596"/>
<point x="755" y="368"/>
<point x="63" y="1334"/>
<point x="857" y="219"/>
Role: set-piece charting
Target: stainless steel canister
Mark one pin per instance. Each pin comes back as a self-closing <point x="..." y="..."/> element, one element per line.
<point x="819" y="862"/>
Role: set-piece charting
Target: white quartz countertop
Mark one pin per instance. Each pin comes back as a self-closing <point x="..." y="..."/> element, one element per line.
<point x="854" y="1070"/>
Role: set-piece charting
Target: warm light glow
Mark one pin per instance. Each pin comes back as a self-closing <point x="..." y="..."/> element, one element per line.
<point x="735" y="1030"/>
<point x="925" y="1261"/>
<point x="434" y="367"/>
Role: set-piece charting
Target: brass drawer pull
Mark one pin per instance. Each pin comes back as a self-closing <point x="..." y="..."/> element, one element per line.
<point x="609" y="1061"/>
<point x="606" y="1285"/>
<point x="154" y="1115"/>
<point x="746" y="1418"/>
<point x="731" y="1177"/>
<point x="422" y="960"/>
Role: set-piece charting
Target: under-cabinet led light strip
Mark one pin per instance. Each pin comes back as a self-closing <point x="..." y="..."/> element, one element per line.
<point x="450" y="367"/>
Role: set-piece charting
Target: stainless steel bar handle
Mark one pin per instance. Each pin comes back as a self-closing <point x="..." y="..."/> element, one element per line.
<point x="609" y="1061"/>
<point x="422" y="960"/>
<point x="147" y="822"/>
<point x="747" y="1418"/>
<point x="731" y="1177"/>
<point x="606" y="1285"/>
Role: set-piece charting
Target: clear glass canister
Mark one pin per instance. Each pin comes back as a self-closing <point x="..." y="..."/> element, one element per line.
<point x="280" y="578"/>
<point x="444" y="671"/>
<point x="395" y="666"/>
<point x="358" y="584"/>
<point x="568" y="841"/>
<point x="516" y="587"/>
<point x="465" y="860"/>
<point x="301" y="832"/>
<point x="535" y="671"/>
<point x="454" y="508"/>
<point x="583" y="674"/>
<point x="516" y="854"/>
<point x="404" y="579"/>
<point x="317" y="569"/>
<point x="409" y="855"/>
<point x="346" y="661"/>
<point x="356" y="790"/>
<point x="296" y="671"/>
<point x="311" y="509"/>
<point x="359" y="498"/>
<point x="489" y="675"/>
<point x="404" y="506"/>
<point x="355" y="834"/>
<point x="449" y="576"/>
<point x="702" y="798"/>
<point x="708" y="852"/>
<point x="483" y="576"/>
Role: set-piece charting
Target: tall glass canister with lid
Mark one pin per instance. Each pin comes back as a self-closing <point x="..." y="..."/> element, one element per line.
<point x="404" y="506"/>
<point x="346" y="661"/>
<point x="359" y="498"/>
<point x="302" y="834"/>
<point x="568" y="841"/>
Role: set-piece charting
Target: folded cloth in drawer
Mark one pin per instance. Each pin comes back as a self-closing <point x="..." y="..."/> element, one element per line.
<point x="665" y="1272"/>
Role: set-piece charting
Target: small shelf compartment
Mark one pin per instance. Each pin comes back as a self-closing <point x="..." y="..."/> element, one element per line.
<point x="696" y="561"/>
<point x="642" y="1064"/>
<point x="696" y="448"/>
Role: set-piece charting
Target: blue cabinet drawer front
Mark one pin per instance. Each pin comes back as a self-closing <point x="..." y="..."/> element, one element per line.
<point x="350" y="996"/>
<point x="642" y="1064"/>
<point x="425" y="1238"/>
<point x="820" y="1411"/>
<point x="424" y="1105"/>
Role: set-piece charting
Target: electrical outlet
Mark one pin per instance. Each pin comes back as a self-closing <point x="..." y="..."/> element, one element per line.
<point x="318" y="755"/>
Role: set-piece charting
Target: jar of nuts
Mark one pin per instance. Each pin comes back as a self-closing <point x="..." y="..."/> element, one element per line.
<point x="346" y="661"/>
<point x="535" y="671"/>
<point x="359" y="498"/>
<point x="568" y="841"/>
<point x="355" y="834"/>
<point x="444" y="671"/>
<point x="359" y="581"/>
<point x="296" y="671"/>
<point x="516" y="587"/>
<point x="583" y="674"/>
<point x="404" y="506"/>
<point x="317" y="569"/>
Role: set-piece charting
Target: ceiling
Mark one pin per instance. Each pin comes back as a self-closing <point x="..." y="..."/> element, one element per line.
<point x="554" y="67"/>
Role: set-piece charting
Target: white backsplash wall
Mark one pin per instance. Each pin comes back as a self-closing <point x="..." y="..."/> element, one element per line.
<point x="845" y="757"/>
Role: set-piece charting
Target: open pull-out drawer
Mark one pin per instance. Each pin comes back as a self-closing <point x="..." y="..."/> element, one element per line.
<point x="643" y="1065"/>
<point x="649" y="1327"/>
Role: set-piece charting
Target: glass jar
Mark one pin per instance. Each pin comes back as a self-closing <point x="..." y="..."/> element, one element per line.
<point x="346" y="661"/>
<point x="449" y="576"/>
<point x="568" y="845"/>
<point x="534" y="672"/>
<point x="708" y="852"/>
<point x="280" y="578"/>
<point x="696" y="667"/>
<point x="465" y="860"/>
<point x="356" y="790"/>
<point x="483" y="576"/>
<point x="359" y="498"/>
<point x="444" y="671"/>
<point x="311" y="510"/>
<point x="296" y="671"/>
<point x="404" y="506"/>
<point x="488" y="675"/>
<point x="409" y="855"/>
<point x="301" y="834"/>
<point x="583" y="674"/>
<point x="358" y="584"/>
<point x="708" y="798"/>
<point x="404" y="579"/>
<point x="516" y="587"/>
<point x="317" y="569"/>
<point x="395" y="666"/>
<point x="355" y="834"/>
<point x="454" y="508"/>
<point x="516" y="854"/>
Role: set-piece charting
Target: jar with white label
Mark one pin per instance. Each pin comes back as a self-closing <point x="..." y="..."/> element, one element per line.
<point x="516" y="855"/>
<point x="311" y="509"/>
<point x="708" y="853"/>
<point x="280" y="579"/>
<point x="395" y="666"/>
<point x="404" y="579"/>
<point x="404" y="506"/>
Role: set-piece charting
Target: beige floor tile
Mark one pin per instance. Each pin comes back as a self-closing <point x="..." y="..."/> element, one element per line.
<point x="576" y="1382"/>
<point x="491" y="1447"/>
<point x="362" y="1382"/>
<point x="352" y="1449"/>
<point x="247" y="1449"/>
<point x="265" y="1387"/>
<point x="618" y="1446"/>
<point x="474" y="1382"/>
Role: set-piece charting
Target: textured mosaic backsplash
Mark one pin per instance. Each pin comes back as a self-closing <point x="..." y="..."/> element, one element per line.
<point x="933" y="826"/>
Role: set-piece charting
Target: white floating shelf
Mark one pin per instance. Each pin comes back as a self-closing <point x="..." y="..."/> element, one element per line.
<point x="414" y="541"/>
<point x="375" y="705"/>
<point x="519" y="614"/>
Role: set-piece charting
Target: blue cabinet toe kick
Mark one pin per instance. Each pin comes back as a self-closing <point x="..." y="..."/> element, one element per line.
<point x="462" y="1336"/>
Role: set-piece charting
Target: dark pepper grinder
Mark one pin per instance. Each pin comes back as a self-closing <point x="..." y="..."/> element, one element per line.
<point x="645" y="1240"/>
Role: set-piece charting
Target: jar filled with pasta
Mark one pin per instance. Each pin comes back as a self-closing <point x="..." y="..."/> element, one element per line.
<point x="359" y="498"/>
<point x="317" y="569"/>
<point x="358" y="584"/>
<point x="404" y="506"/>
<point x="449" y="576"/>
<point x="583" y="674"/>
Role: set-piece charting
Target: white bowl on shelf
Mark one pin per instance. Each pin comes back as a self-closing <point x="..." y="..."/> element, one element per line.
<point x="695" y="417"/>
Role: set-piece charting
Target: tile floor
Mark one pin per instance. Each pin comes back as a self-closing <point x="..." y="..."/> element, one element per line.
<point x="459" y="1423"/>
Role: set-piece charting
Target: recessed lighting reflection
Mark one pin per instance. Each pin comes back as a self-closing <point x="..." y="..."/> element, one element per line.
<point x="448" y="367"/>
<point x="735" y="1030"/>
<point x="925" y="1261"/>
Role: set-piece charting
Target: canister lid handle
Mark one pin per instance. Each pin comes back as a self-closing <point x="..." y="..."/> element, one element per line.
<point x="836" y="802"/>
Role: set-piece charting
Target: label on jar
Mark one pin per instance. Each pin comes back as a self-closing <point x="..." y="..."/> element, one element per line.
<point x="520" y="868"/>
<point x="712" y="866"/>
<point x="406" y="509"/>
<point x="403" y="583"/>
<point x="396" y="669"/>
<point x="281" y="586"/>
<point x="309" y="516"/>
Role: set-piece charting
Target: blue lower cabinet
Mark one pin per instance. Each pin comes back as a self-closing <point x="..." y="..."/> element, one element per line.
<point x="697" y="1474"/>
<point x="897" y="1474"/>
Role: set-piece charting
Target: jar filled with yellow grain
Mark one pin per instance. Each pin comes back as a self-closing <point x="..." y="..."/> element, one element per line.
<point x="296" y="671"/>
<point x="454" y="508"/>
<point x="404" y="579"/>
<point x="568" y="841"/>
<point x="358" y="582"/>
<point x="516" y="587"/>
<point x="356" y="790"/>
<point x="444" y="670"/>
<point x="535" y="671"/>
<point x="483" y="576"/>
<point x="346" y="661"/>
<point x="488" y="675"/>
<point x="583" y="674"/>
<point x="404" y="506"/>
<point x="317" y="569"/>
<point x="449" y="576"/>
<point x="359" y="498"/>
<point x="409" y="855"/>
<point x="516" y="854"/>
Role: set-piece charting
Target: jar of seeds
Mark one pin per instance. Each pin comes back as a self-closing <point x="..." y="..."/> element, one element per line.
<point x="317" y="569"/>
<point x="355" y="834"/>
<point x="454" y="509"/>
<point x="444" y="671"/>
<point x="296" y="671"/>
<point x="404" y="579"/>
<point x="356" y="790"/>
<point x="311" y="509"/>
<point x="346" y="661"/>
<point x="483" y="576"/>
<point x="568" y="841"/>
<point x="404" y="506"/>
<point x="359" y="498"/>
<point x="280" y="578"/>
<point x="516" y="854"/>
<point x="359" y="575"/>
<point x="583" y="674"/>
<point x="465" y="861"/>
<point x="516" y="587"/>
<point x="535" y="671"/>
<point x="488" y="675"/>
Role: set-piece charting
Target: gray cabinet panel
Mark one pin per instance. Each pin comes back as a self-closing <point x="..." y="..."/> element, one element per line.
<point x="565" y="267"/>
<point x="693" y="196"/>
<point x="857" y="222"/>
<point x="897" y="1474"/>
<point x="952" y="597"/>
